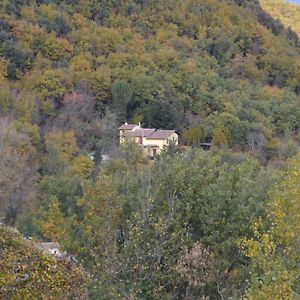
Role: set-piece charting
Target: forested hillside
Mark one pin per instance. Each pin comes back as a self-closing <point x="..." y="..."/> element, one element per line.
<point x="190" y="224"/>
<point x="288" y="13"/>
<point x="170" y="64"/>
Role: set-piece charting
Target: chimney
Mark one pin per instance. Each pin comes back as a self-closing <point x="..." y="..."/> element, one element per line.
<point x="139" y="124"/>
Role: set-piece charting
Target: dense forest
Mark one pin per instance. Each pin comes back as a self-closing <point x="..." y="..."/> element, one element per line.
<point x="288" y="13"/>
<point x="190" y="224"/>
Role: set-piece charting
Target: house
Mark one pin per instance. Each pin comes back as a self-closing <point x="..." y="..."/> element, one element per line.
<point x="151" y="140"/>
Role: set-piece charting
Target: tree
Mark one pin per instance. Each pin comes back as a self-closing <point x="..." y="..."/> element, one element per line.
<point x="61" y="148"/>
<point x="138" y="229"/>
<point x="5" y="98"/>
<point x="100" y="85"/>
<point x="79" y="114"/>
<point x="273" y="251"/>
<point x="50" y="90"/>
<point x="18" y="173"/>
<point x="194" y="135"/>
<point x="51" y="222"/>
<point x="122" y="93"/>
<point x="160" y="115"/>
<point x="53" y="47"/>
<point x="27" y="271"/>
<point x="219" y="138"/>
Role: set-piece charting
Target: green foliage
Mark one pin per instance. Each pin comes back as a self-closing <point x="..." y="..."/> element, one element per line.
<point x="273" y="251"/>
<point x="18" y="173"/>
<point x="61" y="147"/>
<point x="194" y="135"/>
<point x="121" y="95"/>
<point x="29" y="272"/>
<point x="5" y="98"/>
<point x="157" y="63"/>
<point x="71" y="71"/>
<point x="287" y="13"/>
<point x="131" y="226"/>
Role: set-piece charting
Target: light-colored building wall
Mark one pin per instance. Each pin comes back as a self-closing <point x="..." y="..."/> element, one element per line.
<point x="173" y="138"/>
<point x="151" y="146"/>
<point x="161" y="143"/>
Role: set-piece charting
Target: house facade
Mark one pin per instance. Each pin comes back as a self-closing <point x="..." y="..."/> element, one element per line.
<point x="151" y="140"/>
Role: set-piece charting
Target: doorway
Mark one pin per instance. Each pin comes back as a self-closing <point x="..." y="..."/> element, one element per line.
<point x="154" y="152"/>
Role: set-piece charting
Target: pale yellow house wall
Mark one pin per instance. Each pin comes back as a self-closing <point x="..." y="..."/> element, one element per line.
<point x="161" y="143"/>
<point x="158" y="142"/>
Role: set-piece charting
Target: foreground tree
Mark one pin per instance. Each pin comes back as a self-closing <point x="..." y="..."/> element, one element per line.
<point x="28" y="272"/>
<point x="274" y="251"/>
<point x="162" y="231"/>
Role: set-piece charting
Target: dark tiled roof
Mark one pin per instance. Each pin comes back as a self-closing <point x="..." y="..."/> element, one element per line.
<point x="160" y="134"/>
<point x="127" y="126"/>
<point x="139" y="132"/>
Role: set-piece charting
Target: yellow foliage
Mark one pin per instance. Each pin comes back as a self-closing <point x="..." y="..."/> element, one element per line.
<point x="85" y="7"/>
<point x="48" y="11"/>
<point x="166" y="58"/>
<point x="28" y="272"/>
<point x="28" y="13"/>
<point x="5" y="98"/>
<point x="193" y="135"/>
<point x="190" y="66"/>
<point x="56" y="48"/>
<point x="81" y="166"/>
<point x="219" y="137"/>
<point x="49" y="85"/>
<point x="64" y="143"/>
<point x="288" y="13"/>
<point x="52" y="222"/>
<point x="285" y="209"/>
<point x="3" y="66"/>
<point x="81" y="63"/>
<point x="100" y="83"/>
<point x="136" y="44"/>
<point x="106" y="40"/>
<point x="79" y="20"/>
<point x="27" y="32"/>
<point x="32" y="130"/>
<point x="274" y="252"/>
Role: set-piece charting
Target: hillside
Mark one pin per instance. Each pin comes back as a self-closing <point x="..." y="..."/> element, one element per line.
<point x="288" y="13"/>
<point x="179" y="226"/>
<point x="27" y="272"/>
<point x="193" y="62"/>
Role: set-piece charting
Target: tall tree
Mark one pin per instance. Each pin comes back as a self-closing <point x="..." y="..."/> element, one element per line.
<point x="273" y="253"/>
<point x="18" y="173"/>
